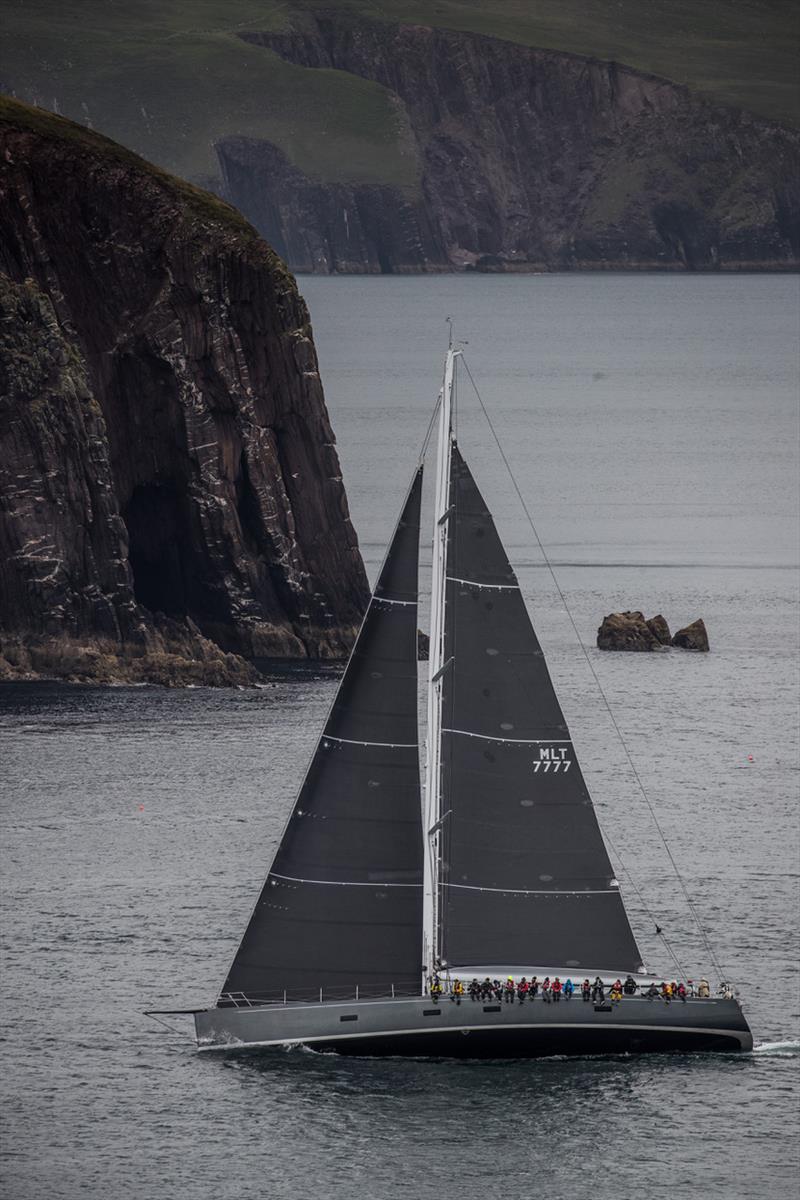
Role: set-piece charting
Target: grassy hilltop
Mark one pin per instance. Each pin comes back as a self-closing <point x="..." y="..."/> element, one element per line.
<point x="170" y="77"/>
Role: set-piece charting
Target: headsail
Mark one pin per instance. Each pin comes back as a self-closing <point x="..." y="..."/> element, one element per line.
<point x="524" y="874"/>
<point x="342" y="904"/>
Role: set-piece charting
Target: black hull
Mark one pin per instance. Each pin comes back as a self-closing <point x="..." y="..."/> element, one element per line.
<point x="533" y="1043"/>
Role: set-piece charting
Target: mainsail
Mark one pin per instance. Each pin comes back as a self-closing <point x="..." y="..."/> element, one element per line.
<point x="342" y="905"/>
<point x="524" y="876"/>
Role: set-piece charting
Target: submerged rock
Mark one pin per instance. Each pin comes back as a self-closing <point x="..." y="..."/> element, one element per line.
<point x="164" y="442"/>
<point x="692" y="637"/>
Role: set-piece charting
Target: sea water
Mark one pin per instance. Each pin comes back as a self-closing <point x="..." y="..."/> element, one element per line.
<point x="651" y="425"/>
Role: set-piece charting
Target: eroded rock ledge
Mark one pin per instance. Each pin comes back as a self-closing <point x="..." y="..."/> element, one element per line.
<point x="164" y="442"/>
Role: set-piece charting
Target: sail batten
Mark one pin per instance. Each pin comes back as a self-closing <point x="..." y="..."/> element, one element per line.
<point x="523" y="872"/>
<point x="343" y="899"/>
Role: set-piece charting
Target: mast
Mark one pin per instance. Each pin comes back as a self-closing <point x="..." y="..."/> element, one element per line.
<point x="432" y="816"/>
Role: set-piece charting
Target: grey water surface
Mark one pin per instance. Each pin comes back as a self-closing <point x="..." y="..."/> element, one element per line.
<point x="652" y="426"/>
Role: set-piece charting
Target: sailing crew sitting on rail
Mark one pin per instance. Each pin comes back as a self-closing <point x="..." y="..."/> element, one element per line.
<point x="436" y="989"/>
<point x="533" y="991"/>
<point x="616" y="992"/>
<point x="556" y="988"/>
<point x="522" y="989"/>
<point x="486" y="989"/>
<point x="652" y="992"/>
<point x="586" y="990"/>
<point x="569" y="988"/>
<point x="497" y="987"/>
<point x="474" y="989"/>
<point x="682" y="992"/>
<point x="598" y="991"/>
<point x="630" y="986"/>
<point x="666" y="992"/>
<point x="511" y="990"/>
<point x="704" y="989"/>
<point x="546" y="995"/>
<point x="457" y="991"/>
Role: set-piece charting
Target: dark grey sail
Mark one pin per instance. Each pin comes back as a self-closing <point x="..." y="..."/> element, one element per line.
<point x="342" y="905"/>
<point x="525" y="877"/>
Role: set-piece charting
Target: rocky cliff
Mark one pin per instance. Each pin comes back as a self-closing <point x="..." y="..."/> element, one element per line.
<point x="169" y="483"/>
<point x="527" y="160"/>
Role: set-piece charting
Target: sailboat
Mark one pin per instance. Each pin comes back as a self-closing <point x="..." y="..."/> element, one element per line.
<point x="381" y="888"/>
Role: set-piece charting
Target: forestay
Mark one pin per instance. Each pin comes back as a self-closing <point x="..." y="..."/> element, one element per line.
<point x="524" y="875"/>
<point x="342" y="905"/>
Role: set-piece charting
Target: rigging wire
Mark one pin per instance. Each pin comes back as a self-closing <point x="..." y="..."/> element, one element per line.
<point x="656" y="823"/>
<point x="636" y="889"/>
<point x="424" y="447"/>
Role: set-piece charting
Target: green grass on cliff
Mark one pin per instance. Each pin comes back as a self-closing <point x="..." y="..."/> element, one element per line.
<point x="169" y="78"/>
<point x="197" y="202"/>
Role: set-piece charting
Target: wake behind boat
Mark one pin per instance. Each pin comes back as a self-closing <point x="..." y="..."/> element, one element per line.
<point x="379" y="890"/>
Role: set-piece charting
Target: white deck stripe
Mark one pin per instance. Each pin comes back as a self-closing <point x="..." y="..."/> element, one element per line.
<point x="495" y="587"/>
<point x="328" y="737"/>
<point x="468" y="887"/>
<point x="487" y="737"/>
<point x="341" y="882"/>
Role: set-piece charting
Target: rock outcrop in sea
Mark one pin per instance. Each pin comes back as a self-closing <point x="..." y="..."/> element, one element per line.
<point x="692" y="637"/>
<point x="630" y="631"/>
<point x="526" y="159"/>
<point x="170" y="491"/>
<point x="633" y="631"/>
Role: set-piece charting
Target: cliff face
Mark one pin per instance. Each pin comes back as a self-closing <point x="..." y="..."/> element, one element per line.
<point x="164" y="443"/>
<point x="529" y="159"/>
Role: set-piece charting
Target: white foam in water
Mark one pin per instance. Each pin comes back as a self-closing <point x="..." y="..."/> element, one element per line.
<point x="778" y="1049"/>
